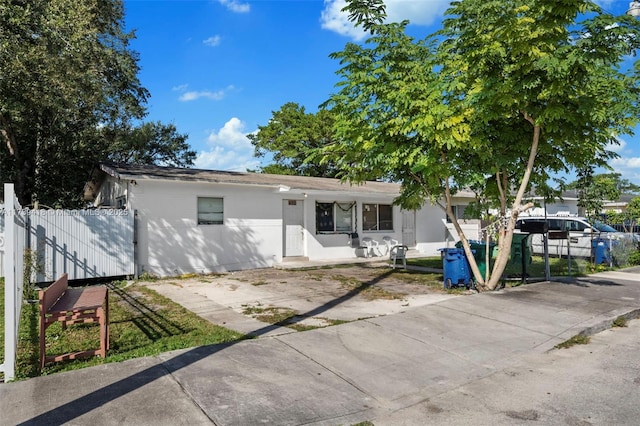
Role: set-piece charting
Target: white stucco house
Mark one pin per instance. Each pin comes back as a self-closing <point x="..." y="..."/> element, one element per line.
<point x="203" y="221"/>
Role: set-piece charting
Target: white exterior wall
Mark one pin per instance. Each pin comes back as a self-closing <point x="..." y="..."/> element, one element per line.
<point x="567" y="208"/>
<point x="170" y="241"/>
<point x="431" y="232"/>
<point x="338" y="246"/>
<point x="435" y="233"/>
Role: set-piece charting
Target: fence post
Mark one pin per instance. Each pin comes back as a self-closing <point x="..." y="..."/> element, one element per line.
<point x="11" y="307"/>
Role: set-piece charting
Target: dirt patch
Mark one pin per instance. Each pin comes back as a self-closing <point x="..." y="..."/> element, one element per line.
<point x="368" y="281"/>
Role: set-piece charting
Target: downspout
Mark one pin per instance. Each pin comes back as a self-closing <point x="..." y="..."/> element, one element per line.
<point x="136" y="262"/>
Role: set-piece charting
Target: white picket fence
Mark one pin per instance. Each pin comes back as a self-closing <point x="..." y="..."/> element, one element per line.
<point x="85" y="244"/>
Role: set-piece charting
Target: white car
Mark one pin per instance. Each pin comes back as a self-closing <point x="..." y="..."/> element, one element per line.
<point x="580" y="235"/>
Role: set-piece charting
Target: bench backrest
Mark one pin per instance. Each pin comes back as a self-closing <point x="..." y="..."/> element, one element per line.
<point x="49" y="296"/>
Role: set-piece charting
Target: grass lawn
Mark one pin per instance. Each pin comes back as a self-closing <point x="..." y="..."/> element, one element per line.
<point x="142" y="323"/>
<point x="535" y="269"/>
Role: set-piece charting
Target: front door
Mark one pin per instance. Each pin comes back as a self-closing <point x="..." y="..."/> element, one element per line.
<point x="293" y="224"/>
<point x="409" y="228"/>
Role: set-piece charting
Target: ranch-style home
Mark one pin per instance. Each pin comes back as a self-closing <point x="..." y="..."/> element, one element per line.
<point x="203" y="221"/>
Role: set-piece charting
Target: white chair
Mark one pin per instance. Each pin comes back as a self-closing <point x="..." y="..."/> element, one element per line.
<point x="397" y="253"/>
<point x="388" y="243"/>
<point x="370" y="245"/>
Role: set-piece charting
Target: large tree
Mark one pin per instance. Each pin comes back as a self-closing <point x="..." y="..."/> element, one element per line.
<point x="507" y="93"/>
<point x="149" y="143"/>
<point x="68" y="81"/>
<point x="290" y="137"/>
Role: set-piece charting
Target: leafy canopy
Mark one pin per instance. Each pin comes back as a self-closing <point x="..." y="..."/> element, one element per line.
<point x="290" y="137"/>
<point x="69" y="93"/>
<point x="506" y="93"/>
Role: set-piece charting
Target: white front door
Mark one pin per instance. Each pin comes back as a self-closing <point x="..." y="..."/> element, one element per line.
<point x="409" y="228"/>
<point x="293" y="224"/>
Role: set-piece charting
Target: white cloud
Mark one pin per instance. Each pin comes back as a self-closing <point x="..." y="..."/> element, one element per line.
<point x="418" y="12"/>
<point x="333" y="19"/>
<point x="180" y="88"/>
<point x="232" y="134"/>
<point x="626" y="163"/>
<point x="235" y="6"/>
<point x="628" y="167"/>
<point x="230" y="149"/>
<point x="194" y="95"/>
<point x="213" y="41"/>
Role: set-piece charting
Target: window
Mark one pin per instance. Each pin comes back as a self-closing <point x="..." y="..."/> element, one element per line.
<point x="377" y="217"/>
<point x="458" y="212"/>
<point x="334" y="217"/>
<point x="210" y="211"/>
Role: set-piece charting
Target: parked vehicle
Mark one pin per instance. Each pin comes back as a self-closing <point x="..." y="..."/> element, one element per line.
<point x="580" y="235"/>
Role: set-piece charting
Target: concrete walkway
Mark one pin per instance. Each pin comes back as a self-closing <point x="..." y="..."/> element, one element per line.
<point x="386" y="369"/>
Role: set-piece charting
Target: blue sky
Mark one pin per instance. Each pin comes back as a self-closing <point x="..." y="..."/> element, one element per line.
<point x="217" y="69"/>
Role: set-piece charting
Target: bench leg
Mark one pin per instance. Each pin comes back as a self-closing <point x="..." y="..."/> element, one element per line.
<point x="43" y="348"/>
<point x="103" y="332"/>
<point x="106" y="317"/>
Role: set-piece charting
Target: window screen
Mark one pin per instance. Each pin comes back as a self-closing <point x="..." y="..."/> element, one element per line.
<point x="210" y="211"/>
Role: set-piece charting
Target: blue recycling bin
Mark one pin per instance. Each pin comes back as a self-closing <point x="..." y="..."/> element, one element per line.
<point x="600" y="251"/>
<point x="456" y="267"/>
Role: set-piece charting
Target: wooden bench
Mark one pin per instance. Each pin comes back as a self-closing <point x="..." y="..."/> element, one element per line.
<point x="72" y="306"/>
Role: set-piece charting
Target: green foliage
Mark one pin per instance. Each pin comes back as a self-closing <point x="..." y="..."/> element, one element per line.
<point x="614" y="180"/>
<point x="578" y="339"/>
<point x="621" y="321"/>
<point x="632" y="212"/>
<point x="593" y="190"/>
<point x="291" y="136"/>
<point x="68" y="93"/>
<point x="366" y="13"/>
<point x="509" y="92"/>
<point x="149" y="143"/>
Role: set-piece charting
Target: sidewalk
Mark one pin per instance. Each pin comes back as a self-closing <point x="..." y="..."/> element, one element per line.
<point x="379" y="369"/>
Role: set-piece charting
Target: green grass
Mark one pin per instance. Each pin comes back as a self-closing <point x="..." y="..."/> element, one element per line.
<point x="285" y="317"/>
<point x="426" y="262"/>
<point x="142" y="323"/>
<point x="578" y="339"/>
<point x="557" y="266"/>
<point x="621" y="321"/>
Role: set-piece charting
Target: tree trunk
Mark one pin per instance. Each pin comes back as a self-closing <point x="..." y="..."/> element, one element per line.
<point x="506" y="234"/>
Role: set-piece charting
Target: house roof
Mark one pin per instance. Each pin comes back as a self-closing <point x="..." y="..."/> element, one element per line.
<point x="291" y="183"/>
<point x="283" y="182"/>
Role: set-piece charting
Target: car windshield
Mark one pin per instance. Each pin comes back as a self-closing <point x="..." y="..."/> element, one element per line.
<point x="603" y="227"/>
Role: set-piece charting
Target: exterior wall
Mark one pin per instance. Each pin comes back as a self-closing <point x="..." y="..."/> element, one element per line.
<point x="435" y="233"/>
<point x="113" y="193"/>
<point x="170" y="241"/>
<point x="337" y="246"/>
<point x="567" y="208"/>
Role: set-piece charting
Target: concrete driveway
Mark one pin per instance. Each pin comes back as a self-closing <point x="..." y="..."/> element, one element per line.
<point x="318" y="296"/>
